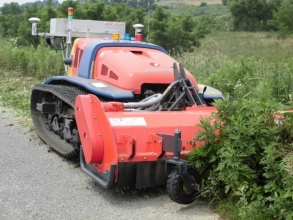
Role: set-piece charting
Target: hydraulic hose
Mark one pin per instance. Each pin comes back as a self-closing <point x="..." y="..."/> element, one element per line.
<point x="145" y="103"/>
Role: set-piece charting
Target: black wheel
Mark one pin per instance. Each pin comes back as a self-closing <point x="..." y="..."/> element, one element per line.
<point x="178" y="191"/>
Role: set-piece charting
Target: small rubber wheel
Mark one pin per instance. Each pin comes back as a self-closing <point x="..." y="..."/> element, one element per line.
<point x="178" y="191"/>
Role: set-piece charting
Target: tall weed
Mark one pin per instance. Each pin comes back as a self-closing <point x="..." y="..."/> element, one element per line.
<point x="41" y="62"/>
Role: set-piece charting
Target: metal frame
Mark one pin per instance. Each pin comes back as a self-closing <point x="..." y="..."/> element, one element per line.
<point x="181" y="93"/>
<point x="176" y="161"/>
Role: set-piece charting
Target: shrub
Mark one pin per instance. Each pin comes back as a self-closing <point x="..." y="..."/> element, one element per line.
<point x="225" y="2"/>
<point x="247" y="158"/>
<point x="203" y="4"/>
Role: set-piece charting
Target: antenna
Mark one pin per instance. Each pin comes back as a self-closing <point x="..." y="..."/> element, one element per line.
<point x="148" y="20"/>
<point x="34" y="22"/>
<point x="138" y="32"/>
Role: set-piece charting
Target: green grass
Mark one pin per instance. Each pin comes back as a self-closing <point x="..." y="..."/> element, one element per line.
<point x="15" y="93"/>
<point x="226" y="59"/>
<point x="228" y="210"/>
<point x="21" y="69"/>
<point x="219" y="47"/>
<point x="217" y="16"/>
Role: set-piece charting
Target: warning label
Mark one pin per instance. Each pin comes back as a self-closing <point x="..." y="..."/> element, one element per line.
<point x="132" y="121"/>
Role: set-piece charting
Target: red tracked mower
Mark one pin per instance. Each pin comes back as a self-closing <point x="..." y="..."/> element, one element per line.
<point x="126" y="108"/>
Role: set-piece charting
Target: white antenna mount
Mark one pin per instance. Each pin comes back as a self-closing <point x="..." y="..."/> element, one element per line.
<point x="34" y="22"/>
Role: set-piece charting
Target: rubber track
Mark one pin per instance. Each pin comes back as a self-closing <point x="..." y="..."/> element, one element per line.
<point x="68" y="95"/>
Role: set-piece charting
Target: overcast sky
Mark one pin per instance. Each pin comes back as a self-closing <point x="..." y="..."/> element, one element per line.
<point x="2" y="2"/>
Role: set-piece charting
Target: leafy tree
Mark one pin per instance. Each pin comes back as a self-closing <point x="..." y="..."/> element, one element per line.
<point x="109" y="14"/>
<point x="158" y="26"/>
<point x="131" y="16"/>
<point x="183" y="32"/>
<point x="24" y="29"/>
<point x="91" y="11"/>
<point x="274" y="4"/>
<point x="176" y="33"/>
<point x="203" y="4"/>
<point x="46" y="13"/>
<point x="252" y="15"/>
<point x="11" y="9"/>
<point x="283" y="18"/>
<point x="10" y="18"/>
<point x="63" y="8"/>
<point x="225" y="2"/>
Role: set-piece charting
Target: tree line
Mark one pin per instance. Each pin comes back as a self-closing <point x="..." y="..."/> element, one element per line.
<point x="183" y="32"/>
<point x="14" y="21"/>
<point x="261" y="15"/>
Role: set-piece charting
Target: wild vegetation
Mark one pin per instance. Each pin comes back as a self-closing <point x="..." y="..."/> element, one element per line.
<point x="247" y="159"/>
<point x="246" y="162"/>
<point x="247" y="167"/>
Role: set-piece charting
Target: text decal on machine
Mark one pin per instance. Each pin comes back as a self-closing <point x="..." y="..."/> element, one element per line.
<point x="114" y="24"/>
<point x="131" y="121"/>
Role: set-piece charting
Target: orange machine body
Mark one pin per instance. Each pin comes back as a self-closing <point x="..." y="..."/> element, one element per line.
<point x="122" y="64"/>
<point x="115" y="136"/>
<point x="117" y="142"/>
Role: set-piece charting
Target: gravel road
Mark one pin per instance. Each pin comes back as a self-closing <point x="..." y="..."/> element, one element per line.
<point x="37" y="184"/>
